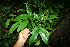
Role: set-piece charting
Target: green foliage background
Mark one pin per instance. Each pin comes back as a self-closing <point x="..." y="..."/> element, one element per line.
<point x="37" y="15"/>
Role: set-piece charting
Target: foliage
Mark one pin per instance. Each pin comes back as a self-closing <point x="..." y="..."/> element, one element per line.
<point x="38" y="22"/>
<point x="37" y="15"/>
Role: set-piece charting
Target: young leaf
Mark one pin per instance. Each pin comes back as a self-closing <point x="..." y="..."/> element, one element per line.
<point x="13" y="27"/>
<point x="22" y="25"/>
<point x="28" y="9"/>
<point x="7" y="22"/>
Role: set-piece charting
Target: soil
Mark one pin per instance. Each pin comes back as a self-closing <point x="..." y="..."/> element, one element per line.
<point x="60" y="37"/>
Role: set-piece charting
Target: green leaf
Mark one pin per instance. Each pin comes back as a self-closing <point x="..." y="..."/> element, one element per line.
<point x="22" y="25"/>
<point x="48" y="24"/>
<point x="35" y="1"/>
<point x="34" y="36"/>
<point x="28" y="9"/>
<point x="53" y="16"/>
<point x="51" y="21"/>
<point x="46" y="11"/>
<point x="12" y="15"/>
<point x="50" y="9"/>
<point x="60" y="6"/>
<point x="20" y="10"/>
<point x="35" y="15"/>
<point x="44" y="35"/>
<point x="21" y="17"/>
<point x="7" y="22"/>
<point x="5" y="36"/>
<point x="13" y="27"/>
<point x="44" y="38"/>
<point x="33" y="23"/>
<point x="44" y="31"/>
<point x="38" y="43"/>
<point x="49" y="28"/>
<point x="42" y="4"/>
<point x="5" y="43"/>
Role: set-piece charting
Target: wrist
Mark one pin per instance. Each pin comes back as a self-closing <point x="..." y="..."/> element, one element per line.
<point x="20" y="42"/>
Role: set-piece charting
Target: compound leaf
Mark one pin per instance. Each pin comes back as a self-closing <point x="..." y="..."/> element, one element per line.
<point x="34" y="36"/>
<point x="22" y="16"/>
<point x="22" y="25"/>
<point x="44" y="38"/>
<point x="13" y="27"/>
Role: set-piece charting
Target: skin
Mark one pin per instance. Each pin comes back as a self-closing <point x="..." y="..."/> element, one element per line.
<point x="23" y="35"/>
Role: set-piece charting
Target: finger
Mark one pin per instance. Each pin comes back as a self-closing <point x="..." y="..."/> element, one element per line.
<point x="27" y="32"/>
<point x="24" y="30"/>
<point x="28" y="29"/>
<point x="27" y="35"/>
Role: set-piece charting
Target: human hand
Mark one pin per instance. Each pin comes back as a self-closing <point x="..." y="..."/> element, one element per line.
<point x="23" y="35"/>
